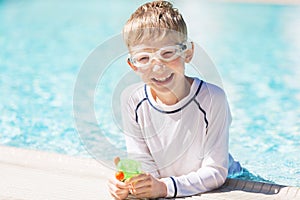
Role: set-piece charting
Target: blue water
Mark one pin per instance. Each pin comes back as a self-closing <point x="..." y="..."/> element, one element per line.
<point x="254" y="46"/>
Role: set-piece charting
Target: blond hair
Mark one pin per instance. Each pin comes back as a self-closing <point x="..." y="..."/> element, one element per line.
<point x="154" y="20"/>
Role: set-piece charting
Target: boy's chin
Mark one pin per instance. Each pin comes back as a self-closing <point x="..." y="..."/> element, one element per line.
<point x="162" y="88"/>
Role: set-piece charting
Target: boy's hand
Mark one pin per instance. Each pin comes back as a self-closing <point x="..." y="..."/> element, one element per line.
<point x="118" y="189"/>
<point x="146" y="186"/>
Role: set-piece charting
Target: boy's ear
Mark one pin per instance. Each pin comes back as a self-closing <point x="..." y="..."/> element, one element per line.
<point x="189" y="54"/>
<point x="131" y="65"/>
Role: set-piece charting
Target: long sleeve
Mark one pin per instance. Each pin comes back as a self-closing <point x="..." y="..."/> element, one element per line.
<point x="137" y="148"/>
<point x="214" y="169"/>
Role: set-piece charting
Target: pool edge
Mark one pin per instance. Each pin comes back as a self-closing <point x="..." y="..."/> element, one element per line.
<point x="30" y="174"/>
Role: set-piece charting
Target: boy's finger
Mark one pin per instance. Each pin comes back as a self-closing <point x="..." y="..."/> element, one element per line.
<point x="137" y="178"/>
<point x="118" y="183"/>
<point x="122" y="185"/>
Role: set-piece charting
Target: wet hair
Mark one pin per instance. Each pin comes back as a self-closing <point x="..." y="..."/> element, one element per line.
<point x="154" y="20"/>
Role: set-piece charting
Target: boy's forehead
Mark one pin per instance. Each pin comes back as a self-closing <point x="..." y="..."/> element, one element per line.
<point x="153" y="38"/>
<point x="153" y="44"/>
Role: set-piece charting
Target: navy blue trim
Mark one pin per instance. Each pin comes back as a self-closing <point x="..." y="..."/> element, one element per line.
<point x="203" y="111"/>
<point x="137" y="107"/>
<point x="175" y="186"/>
<point x="179" y="109"/>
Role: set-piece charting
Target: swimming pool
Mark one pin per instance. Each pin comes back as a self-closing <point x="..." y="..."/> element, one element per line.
<point x="255" y="48"/>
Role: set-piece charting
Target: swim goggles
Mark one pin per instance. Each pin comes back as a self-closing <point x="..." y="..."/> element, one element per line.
<point x="166" y="54"/>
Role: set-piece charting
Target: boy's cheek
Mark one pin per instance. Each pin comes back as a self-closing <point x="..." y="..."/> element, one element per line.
<point x="176" y="64"/>
<point x="145" y="75"/>
<point x="142" y="72"/>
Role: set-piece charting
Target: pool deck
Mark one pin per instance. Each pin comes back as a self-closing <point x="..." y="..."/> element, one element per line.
<point x="29" y="175"/>
<point x="279" y="2"/>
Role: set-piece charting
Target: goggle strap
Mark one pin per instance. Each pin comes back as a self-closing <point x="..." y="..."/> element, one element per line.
<point x="131" y="64"/>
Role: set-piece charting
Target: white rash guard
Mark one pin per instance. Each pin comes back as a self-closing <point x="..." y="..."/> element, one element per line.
<point x="186" y="144"/>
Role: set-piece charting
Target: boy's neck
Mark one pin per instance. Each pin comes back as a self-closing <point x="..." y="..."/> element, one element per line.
<point x="173" y="97"/>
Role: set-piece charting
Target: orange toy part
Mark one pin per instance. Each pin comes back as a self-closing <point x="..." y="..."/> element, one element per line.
<point x="120" y="175"/>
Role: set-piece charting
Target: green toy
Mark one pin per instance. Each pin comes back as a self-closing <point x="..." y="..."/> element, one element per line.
<point x="127" y="168"/>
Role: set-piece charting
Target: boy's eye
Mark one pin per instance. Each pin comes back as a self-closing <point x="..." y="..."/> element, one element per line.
<point x="168" y="53"/>
<point x="143" y="59"/>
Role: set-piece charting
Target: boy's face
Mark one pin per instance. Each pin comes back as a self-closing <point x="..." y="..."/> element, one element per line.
<point x="161" y="64"/>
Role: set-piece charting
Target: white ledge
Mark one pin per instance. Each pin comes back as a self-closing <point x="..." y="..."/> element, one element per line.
<point x="35" y="175"/>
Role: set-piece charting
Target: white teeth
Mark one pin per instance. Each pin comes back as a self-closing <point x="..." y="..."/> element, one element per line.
<point x="162" y="79"/>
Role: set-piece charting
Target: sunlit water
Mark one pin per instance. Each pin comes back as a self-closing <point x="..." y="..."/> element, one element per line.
<point x="255" y="48"/>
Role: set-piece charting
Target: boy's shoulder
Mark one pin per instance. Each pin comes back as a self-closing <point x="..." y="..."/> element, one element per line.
<point x="209" y="88"/>
<point x="214" y="89"/>
<point x="133" y="93"/>
<point x="210" y="93"/>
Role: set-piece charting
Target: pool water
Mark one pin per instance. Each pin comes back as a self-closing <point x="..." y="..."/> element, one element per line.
<point x="254" y="46"/>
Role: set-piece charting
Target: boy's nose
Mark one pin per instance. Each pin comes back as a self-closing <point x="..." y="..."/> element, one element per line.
<point x="157" y="66"/>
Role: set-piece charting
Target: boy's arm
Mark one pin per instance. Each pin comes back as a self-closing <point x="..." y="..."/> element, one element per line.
<point x="136" y="146"/>
<point x="214" y="169"/>
<point x="138" y="150"/>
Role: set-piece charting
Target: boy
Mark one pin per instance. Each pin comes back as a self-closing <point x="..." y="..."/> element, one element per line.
<point x="176" y="126"/>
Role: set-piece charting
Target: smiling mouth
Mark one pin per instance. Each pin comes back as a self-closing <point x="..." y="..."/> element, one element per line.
<point x="164" y="80"/>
